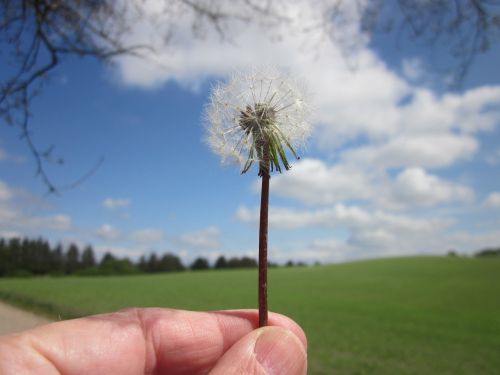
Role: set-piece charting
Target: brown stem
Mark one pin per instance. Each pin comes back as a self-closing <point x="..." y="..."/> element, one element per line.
<point x="264" y="205"/>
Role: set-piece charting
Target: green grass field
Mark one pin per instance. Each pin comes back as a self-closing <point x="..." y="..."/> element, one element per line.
<point x="424" y="315"/>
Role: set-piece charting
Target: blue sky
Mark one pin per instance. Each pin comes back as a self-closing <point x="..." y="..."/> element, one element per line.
<point x="396" y="164"/>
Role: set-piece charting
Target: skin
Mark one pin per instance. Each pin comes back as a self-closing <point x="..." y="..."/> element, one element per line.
<point x="159" y="341"/>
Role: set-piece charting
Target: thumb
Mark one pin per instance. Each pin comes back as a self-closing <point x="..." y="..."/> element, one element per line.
<point x="265" y="351"/>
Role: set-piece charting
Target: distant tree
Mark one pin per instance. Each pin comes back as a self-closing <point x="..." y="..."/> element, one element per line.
<point x="111" y="266"/>
<point x="247" y="262"/>
<point x="169" y="263"/>
<point x="72" y="259"/>
<point x="107" y="257"/>
<point x="244" y="262"/>
<point x="20" y="257"/>
<point x="57" y="260"/>
<point x="289" y="263"/>
<point x="15" y="251"/>
<point x="5" y="258"/>
<point x="152" y="263"/>
<point x="88" y="258"/>
<point x="142" y="264"/>
<point x="220" y="263"/>
<point x="200" y="263"/>
<point x="489" y="252"/>
<point x="233" y="262"/>
<point x="451" y="253"/>
<point x="120" y="267"/>
<point x="25" y="255"/>
<point x="40" y="255"/>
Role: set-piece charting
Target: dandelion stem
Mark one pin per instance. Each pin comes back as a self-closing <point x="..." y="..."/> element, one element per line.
<point x="264" y="206"/>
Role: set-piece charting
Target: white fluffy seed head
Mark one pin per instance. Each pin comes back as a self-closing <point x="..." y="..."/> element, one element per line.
<point x="257" y="98"/>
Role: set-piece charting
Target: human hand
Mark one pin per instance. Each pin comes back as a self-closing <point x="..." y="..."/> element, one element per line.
<point x="158" y="341"/>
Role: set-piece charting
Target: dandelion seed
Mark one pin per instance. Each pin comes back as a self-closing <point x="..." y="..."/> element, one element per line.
<point x="253" y="110"/>
<point x="255" y="118"/>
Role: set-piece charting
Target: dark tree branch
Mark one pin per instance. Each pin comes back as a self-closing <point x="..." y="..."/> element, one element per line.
<point x="465" y="28"/>
<point x="40" y="33"/>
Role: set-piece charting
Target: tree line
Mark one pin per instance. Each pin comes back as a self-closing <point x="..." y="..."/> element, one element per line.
<point x="488" y="252"/>
<point x="23" y="257"/>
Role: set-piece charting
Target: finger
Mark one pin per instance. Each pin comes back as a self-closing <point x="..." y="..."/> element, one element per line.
<point x="202" y="338"/>
<point x="275" y="319"/>
<point x="266" y="351"/>
<point x="135" y="341"/>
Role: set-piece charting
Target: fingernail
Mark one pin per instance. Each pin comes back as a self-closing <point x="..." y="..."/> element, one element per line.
<point x="280" y="352"/>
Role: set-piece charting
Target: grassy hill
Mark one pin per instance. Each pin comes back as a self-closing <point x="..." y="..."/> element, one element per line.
<point x="421" y="315"/>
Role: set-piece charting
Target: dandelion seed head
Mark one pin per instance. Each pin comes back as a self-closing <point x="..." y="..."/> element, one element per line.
<point x="263" y="105"/>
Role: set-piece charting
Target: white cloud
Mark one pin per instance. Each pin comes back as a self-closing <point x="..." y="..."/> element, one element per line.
<point x="415" y="187"/>
<point x="147" y="235"/>
<point x="493" y="200"/>
<point x="354" y="233"/>
<point x="324" y="250"/>
<point x="108" y="232"/>
<point x="426" y="150"/>
<point x="366" y="234"/>
<point x="59" y="222"/>
<point x="9" y="234"/>
<point x="112" y="203"/>
<point x="313" y="182"/>
<point x="15" y="216"/>
<point x="468" y="242"/>
<point x="189" y="57"/>
<point x="22" y="221"/>
<point x="474" y="110"/>
<point x="5" y="192"/>
<point x="341" y="215"/>
<point x="422" y="115"/>
<point x="208" y="238"/>
<point x="378" y="242"/>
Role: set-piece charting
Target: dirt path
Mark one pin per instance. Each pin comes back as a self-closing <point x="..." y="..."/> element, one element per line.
<point x="14" y="320"/>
